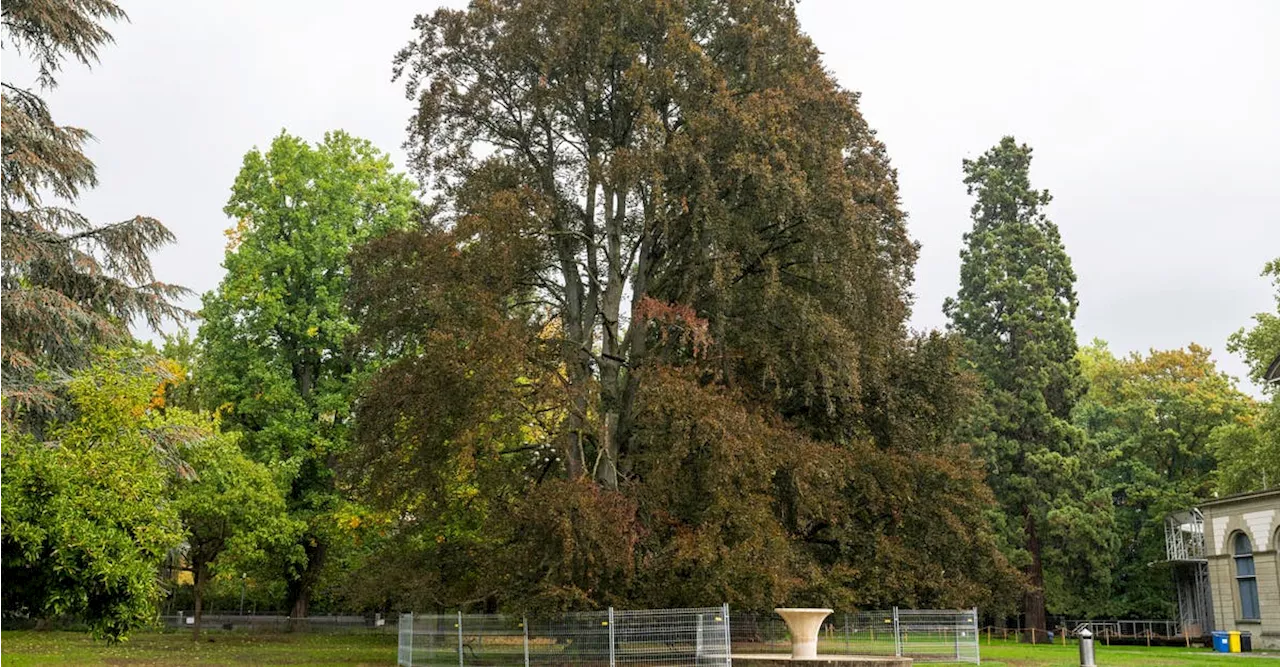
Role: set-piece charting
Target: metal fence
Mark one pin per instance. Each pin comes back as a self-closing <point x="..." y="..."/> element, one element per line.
<point x="337" y="623"/>
<point x="693" y="637"/>
<point x="927" y="635"/>
<point x="1126" y="629"/>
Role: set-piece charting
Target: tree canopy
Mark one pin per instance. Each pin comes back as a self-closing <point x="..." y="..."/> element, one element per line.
<point x="1152" y="422"/>
<point x="1249" y="451"/>
<point x="645" y="344"/>
<point x="68" y="284"/>
<point x="275" y="359"/>
<point x="1015" y="309"/>
<point x="87" y="521"/>
<point x="658" y="319"/>
<point x="233" y="511"/>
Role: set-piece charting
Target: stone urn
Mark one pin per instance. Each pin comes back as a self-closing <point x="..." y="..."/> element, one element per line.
<point x="804" y="625"/>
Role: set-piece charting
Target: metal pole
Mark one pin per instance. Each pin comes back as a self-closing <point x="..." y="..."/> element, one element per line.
<point x="612" y="657"/>
<point x="977" y="650"/>
<point x="1086" y="649"/>
<point x="955" y="637"/>
<point x="459" y="638"/>
<point x="728" y="651"/>
<point x="524" y="623"/>
<point x="897" y="634"/>
<point x="408" y="654"/>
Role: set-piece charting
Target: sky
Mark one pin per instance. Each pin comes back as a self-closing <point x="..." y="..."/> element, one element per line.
<point x="1156" y="126"/>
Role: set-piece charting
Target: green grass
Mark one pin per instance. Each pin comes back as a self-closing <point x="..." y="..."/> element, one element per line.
<point x="1012" y="654"/>
<point x="165" y="649"/>
<point x="27" y="647"/>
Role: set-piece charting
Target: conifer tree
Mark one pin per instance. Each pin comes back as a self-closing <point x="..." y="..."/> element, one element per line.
<point x="68" y="284"/>
<point x="1015" y="309"/>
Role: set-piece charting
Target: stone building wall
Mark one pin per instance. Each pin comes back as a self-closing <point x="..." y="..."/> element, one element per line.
<point x="1256" y="515"/>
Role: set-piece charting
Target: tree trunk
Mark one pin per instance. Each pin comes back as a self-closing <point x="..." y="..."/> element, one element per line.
<point x="1033" y="599"/>
<point x="300" y="588"/>
<point x="200" y="575"/>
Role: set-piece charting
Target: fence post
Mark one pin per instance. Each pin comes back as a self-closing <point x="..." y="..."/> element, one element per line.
<point x="897" y="634"/>
<point x="410" y="653"/>
<point x="405" y="657"/>
<point x="728" y="644"/>
<point x="459" y="638"/>
<point x="612" y="657"/>
<point x="848" y="635"/>
<point x="977" y="650"/>
<point x="524" y="623"/>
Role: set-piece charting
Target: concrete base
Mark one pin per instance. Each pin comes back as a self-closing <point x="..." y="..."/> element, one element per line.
<point x="772" y="660"/>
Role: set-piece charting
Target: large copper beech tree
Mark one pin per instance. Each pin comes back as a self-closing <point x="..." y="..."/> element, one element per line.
<point x="658" y="317"/>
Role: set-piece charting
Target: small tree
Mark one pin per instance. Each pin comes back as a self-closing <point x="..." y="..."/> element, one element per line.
<point x="233" y="510"/>
<point x="87" y="521"/>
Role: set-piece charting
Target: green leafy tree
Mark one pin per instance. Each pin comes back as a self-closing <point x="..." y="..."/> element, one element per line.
<point x="1015" y="309"/>
<point x="274" y="356"/>
<point x="1260" y="345"/>
<point x="1249" y="452"/>
<point x="1153" y="421"/>
<point x="68" y="285"/>
<point x="87" y="522"/>
<point x="233" y="511"/>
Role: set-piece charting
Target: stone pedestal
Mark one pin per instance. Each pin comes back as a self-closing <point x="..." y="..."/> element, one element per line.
<point x="804" y="625"/>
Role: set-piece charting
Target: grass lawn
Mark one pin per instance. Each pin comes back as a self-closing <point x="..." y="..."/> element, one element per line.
<point x="1023" y="655"/>
<point x="19" y="648"/>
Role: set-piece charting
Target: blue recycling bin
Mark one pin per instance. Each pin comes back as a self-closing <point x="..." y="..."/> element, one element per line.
<point x="1221" y="642"/>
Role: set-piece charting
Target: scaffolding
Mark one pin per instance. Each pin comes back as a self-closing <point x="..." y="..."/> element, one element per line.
<point x="1184" y="536"/>
<point x="1185" y="552"/>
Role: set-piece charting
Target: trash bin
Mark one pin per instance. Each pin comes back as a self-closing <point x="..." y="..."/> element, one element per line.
<point x="1246" y="642"/>
<point x="1221" y="643"/>
<point x="1234" y="641"/>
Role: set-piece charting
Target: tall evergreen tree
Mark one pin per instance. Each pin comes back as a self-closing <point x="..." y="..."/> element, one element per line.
<point x="275" y="358"/>
<point x="1015" y="309"/>
<point x="68" y="284"/>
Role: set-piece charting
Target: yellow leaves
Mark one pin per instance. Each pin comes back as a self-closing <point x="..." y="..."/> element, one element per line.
<point x="235" y="235"/>
<point x="171" y="374"/>
<point x="313" y="331"/>
<point x="356" y="519"/>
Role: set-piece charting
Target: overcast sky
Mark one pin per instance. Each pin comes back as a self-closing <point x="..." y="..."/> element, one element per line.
<point x="1155" y="125"/>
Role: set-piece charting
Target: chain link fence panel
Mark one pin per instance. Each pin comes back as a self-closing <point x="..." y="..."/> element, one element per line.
<point x="677" y="637"/>
<point x="926" y="635"/>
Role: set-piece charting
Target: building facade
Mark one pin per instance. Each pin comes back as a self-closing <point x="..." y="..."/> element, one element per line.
<point x="1241" y="533"/>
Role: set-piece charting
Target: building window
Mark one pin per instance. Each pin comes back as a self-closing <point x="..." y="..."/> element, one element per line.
<point x="1246" y="579"/>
